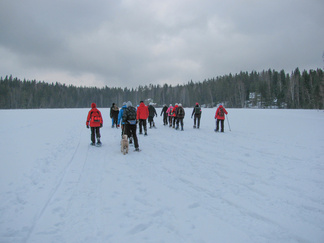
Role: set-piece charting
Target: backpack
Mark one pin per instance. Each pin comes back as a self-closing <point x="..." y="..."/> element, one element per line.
<point x="180" y="112"/>
<point x="170" y="112"/>
<point x="95" y="117"/>
<point x="197" y="110"/>
<point x="221" y="111"/>
<point x="131" y="115"/>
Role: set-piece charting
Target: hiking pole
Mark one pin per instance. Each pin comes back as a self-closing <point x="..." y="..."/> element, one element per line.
<point x="228" y="123"/>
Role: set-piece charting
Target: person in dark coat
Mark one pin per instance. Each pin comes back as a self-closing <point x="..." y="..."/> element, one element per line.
<point x="165" y="115"/>
<point x="129" y="118"/>
<point x="114" y="110"/>
<point x="152" y="113"/>
<point x="180" y="114"/>
<point x="197" y="114"/>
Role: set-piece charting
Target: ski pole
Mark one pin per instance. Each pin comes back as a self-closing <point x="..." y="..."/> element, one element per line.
<point x="228" y="123"/>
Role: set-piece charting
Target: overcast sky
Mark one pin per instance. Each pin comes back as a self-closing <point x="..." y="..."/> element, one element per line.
<point x="137" y="42"/>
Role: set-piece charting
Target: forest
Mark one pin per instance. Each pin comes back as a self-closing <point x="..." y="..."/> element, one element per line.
<point x="266" y="89"/>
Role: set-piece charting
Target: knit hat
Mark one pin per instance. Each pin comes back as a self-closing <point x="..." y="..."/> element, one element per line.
<point x="93" y="105"/>
<point x="128" y="104"/>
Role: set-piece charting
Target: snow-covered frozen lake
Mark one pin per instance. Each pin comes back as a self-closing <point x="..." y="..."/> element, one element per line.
<point x="263" y="181"/>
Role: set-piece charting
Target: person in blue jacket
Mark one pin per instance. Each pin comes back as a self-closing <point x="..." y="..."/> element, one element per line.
<point x="120" y="119"/>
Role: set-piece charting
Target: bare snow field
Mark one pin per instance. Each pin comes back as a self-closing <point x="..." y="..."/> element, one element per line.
<point x="263" y="181"/>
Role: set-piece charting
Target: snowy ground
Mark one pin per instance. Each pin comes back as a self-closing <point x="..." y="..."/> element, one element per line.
<point x="261" y="182"/>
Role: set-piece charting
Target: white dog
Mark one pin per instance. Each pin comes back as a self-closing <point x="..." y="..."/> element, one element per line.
<point x="124" y="144"/>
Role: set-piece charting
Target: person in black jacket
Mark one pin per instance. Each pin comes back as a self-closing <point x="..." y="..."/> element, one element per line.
<point x="129" y="118"/>
<point x="114" y="115"/>
<point x="152" y="113"/>
<point x="197" y="113"/>
<point x="165" y="115"/>
<point x="180" y="114"/>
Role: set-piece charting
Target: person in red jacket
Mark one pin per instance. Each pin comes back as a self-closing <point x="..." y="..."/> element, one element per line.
<point x="95" y="121"/>
<point x="142" y="115"/>
<point x="220" y="116"/>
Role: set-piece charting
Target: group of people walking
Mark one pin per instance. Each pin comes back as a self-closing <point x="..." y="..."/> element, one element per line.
<point x="173" y="115"/>
<point x="128" y="117"/>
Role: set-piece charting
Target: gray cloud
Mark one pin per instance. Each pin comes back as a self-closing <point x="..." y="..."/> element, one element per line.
<point x="131" y="43"/>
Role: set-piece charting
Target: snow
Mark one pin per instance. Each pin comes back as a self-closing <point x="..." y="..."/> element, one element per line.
<point x="263" y="181"/>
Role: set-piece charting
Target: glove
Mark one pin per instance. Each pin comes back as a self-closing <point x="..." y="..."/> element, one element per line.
<point x="88" y="126"/>
<point x="100" y="125"/>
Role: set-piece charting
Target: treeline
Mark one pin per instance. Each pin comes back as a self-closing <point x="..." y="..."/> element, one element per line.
<point x="266" y="89"/>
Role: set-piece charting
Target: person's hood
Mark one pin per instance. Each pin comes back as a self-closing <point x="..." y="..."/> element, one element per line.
<point x="142" y="104"/>
<point x="93" y="105"/>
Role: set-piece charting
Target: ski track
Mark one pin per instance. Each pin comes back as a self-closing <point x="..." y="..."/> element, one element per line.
<point x="53" y="194"/>
<point x="91" y="194"/>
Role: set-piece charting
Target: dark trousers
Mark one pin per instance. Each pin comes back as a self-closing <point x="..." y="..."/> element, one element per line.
<point x="95" y="131"/>
<point x="170" y="120"/>
<point x="197" y="118"/>
<point x="114" y="120"/>
<point x="123" y="129"/>
<point x="165" y="119"/>
<point x="217" y="125"/>
<point x="174" y="121"/>
<point x="180" y="120"/>
<point x="131" y="132"/>
<point x="151" y="121"/>
<point x="142" y="123"/>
